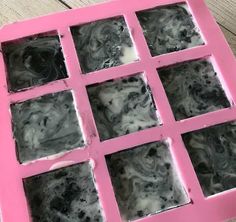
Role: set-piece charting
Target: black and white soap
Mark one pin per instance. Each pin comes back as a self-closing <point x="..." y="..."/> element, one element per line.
<point x="169" y="29"/>
<point x="64" y="195"/>
<point x="122" y="106"/>
<point x="145" y="181"/>
<point x="34" y="61"/>
<point x="213" y="154"/>
<point x="45" y="126"/>
<point x="103" y="44"/>
<point x="193" y="88"/>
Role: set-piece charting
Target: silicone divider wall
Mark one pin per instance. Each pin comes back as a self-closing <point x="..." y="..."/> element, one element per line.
<point x="88" y="122"/>
<point x="11" y="191"/>
<point x="150" y="71"/>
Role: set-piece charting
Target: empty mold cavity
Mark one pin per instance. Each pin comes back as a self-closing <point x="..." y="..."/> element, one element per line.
<point x="213" y="153"/>
<point x="122" y="106"/>
<point x="169" y="28"/>
<point x="46" y="125"/>
<point x="193" y="88"/>
<point x="145" y="181"/>
<point x="67" y="194"/>
<point x="103" y="44"/>
<point x="33" y="61"/>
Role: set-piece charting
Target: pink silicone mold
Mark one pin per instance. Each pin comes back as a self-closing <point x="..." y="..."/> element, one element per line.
<point x="216" y="208"/>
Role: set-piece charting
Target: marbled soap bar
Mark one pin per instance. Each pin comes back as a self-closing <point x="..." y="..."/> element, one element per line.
<point x="193" y="88"/>
<point x="122" y="106"/>
<point x="103" y="44"/>
<point x="213" y="154"/>
<point x="46" y="125"/>
<point x="64" y="195"/>
<point x="145" y="181"/>
<point x="34" y="61"/>
<point x="168" y="29"/>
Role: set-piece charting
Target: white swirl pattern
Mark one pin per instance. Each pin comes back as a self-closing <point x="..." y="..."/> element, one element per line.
<point x="213" y="154"/>
<point x="122" y="106"/>
<point x="103" y="44"/>
<point x="34" y="61"/>
<point x="145" y="181"/>
<point x="46" y="125"/>
<point x="168" y="29"/>
<point x="193" y="88"/>
<point x="64" y="195"/>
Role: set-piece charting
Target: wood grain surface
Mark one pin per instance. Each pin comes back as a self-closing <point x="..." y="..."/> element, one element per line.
<point x="15" y="10"/>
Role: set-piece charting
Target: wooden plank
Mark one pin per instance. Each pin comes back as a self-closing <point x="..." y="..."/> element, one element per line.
<point x="81" y="3"/>
<point x="14" y="10"/>
<point x="225" y="12"/>
<point x="231" y="38"/>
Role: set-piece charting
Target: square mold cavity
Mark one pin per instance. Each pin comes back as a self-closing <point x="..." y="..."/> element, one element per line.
<point x="122" y="106"/>
<point x="193" y="88"/>
<point x="169" y="28"/>
<point x="67" y="194"/>
<point x="145" y="181"/>
<point x="213" y="154"/>
<point x="33" y="61"/>
<point x="46" y="125"/>
<point x="103" y="44"/>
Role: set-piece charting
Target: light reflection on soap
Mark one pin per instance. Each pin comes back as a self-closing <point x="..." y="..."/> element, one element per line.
<point x="193" y="88"/>
<point x="67" y="195"/>
<point x="213" y="154"/>
<point x="33" y="61"/>
<point x="103" y="44"/>
<point x="168" y="29"/>
<point x="122" y="106"/>
<point x="145" y="181"/>
<point x="46" y="125"/>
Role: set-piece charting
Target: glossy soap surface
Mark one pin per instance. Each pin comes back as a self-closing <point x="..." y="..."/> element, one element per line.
<point x="103" y="44"/>
<point x="34" y="61"/>
<point x="65" y="195"/>
<point x="193" y="88"/>
<point x="122" y="106"/>
<point x="213" y="154"/>
<point x="169" y="28"/>
<point x="145" y="181"/>
<point x="45" y="126"/>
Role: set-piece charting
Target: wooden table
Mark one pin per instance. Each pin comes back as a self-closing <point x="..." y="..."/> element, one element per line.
<point x="15" y="10"/>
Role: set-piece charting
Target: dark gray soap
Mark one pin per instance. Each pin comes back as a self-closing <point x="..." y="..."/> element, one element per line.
<point x="193" y="88"/>
<point x="122" y="106"/>
<point x="64" y="195"/>
<point x="145" y="181"/>
<point x="213" y="154"/>
<point x="34" y="61"/>
<point x="168" y="29"/>
<point x="46" y="125"/>
<point x="103" y="44"/>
